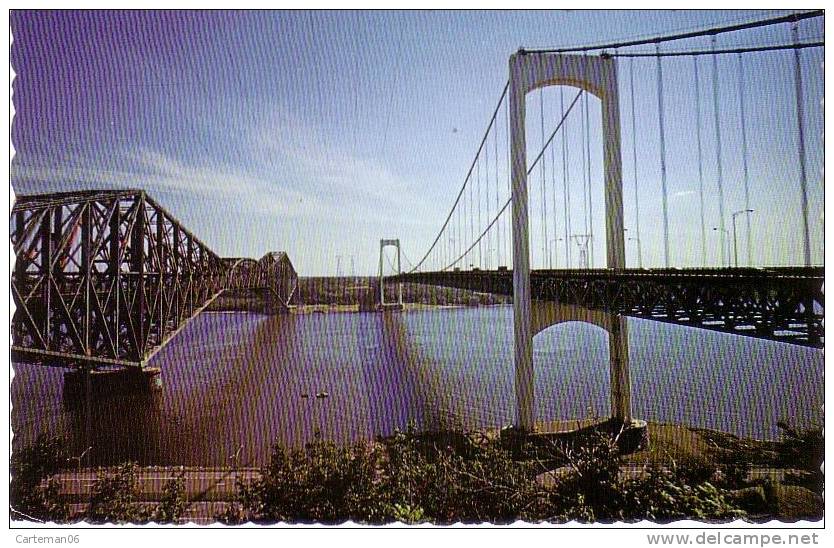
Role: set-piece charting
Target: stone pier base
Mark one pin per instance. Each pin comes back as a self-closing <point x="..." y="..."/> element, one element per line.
<point x="111" y="382"/>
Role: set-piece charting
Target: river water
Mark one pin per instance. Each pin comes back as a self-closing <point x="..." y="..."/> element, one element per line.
<point x="235" y="383"/>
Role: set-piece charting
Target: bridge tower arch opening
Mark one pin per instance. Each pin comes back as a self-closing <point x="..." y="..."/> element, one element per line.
<point x="546" y="314"/>
<point x="382" y="245"/>
<point x="598" y="76"/>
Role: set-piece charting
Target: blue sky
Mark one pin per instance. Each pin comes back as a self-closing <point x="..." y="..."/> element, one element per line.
<point x="319" y="133"/>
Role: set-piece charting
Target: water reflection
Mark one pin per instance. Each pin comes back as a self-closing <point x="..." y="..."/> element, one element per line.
<point x="240" y="382"/>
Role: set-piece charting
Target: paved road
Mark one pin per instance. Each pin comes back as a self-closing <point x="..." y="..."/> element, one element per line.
<point x="209" y="490"/>
<point x="206" y="484"/>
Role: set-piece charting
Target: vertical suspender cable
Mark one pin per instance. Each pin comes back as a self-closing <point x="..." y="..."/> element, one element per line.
<point x="470" y="237"/>
<point x="722" y="231"/>
<point x="507" y="220"/>
<point x="584" y="179"/>
<point x="744" y="154"/>
<point x="478" y="207"/>
<point x="486" y="200"/>
<point x="590" y="231"/>
<point x="543" y="177"/>
<point x="456" y="242"/>
<point x="554" y="258"/>
<point x="497" y="203"/>
<point x="565" y="178"/>
<point x="800" y="120"/>
<point x="662" y="157"/>
<point x="634" y="163"/>
<point x="700" y="161"/>
<point x="459" y="237"/>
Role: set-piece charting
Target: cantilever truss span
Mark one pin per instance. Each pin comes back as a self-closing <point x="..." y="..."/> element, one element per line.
<point x="103" y="277"/>
<point x="107" y="278"/>
<point x="273" y="272"/>
<point x="781" y="304"/>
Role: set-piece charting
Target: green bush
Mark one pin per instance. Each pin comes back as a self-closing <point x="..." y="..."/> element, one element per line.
<point x="114" y="499"/>
<point x="33" y="494"/>
<point x="323" y="483"/>
<point x="412" y="478"/>
<point x="173" y="505"/>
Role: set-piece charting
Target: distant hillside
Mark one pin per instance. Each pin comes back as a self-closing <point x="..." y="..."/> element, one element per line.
<point x="356" y="289"/>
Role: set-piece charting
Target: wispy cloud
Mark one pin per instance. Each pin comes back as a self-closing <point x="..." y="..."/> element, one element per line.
<point x="157" y="172"/>
<point x="287" y="182"/>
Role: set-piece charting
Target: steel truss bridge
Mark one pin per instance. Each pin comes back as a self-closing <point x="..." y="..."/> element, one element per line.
<point x="780" y="304"/>
<point x="107" y="278"/>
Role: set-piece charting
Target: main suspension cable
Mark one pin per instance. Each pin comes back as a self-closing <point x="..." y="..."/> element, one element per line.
<point x="468" y="175"/>
<point x="529" y="171"/>
<point x="699" y="53"/>
<point x="791" y="18"/>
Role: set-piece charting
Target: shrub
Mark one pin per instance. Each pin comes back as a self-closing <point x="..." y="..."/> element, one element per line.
<point x="113" y="498"/>
<point x="322" y="483"/>
<point x="33" y="494"/>
<point x="172" y="507"/>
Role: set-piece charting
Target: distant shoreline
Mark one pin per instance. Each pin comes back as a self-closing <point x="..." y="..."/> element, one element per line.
<point x="354" y="308"/>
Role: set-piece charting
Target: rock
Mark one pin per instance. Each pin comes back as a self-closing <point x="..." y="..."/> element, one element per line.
<point x="791" y="502"/>
<point x="749" y="499"/>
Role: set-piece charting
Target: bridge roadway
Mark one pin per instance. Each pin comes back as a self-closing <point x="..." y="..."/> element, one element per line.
<point x="783" y="304"/>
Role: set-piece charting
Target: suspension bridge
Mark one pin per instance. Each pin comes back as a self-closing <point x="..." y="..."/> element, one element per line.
<point x="484" y="244"/>
<point x="105" y="279"/>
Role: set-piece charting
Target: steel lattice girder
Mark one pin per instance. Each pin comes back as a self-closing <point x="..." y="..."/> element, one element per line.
<point x="280" y="274"/>
<point x="783" y="304"/>
<point x="103" y="277"/>
<point x="273" y="272"/>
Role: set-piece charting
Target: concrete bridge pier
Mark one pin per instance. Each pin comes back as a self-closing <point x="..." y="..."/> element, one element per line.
<point x="618" y="368"/>
<point x="85" y="384"/>
<point x="272" y="304"/>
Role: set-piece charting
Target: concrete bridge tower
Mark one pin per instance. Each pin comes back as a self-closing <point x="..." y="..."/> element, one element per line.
<point x="399" y="304"/>
<point x="598" y="76"/>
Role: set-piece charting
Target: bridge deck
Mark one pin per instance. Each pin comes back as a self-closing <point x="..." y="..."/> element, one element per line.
<point x="781" y="303"/>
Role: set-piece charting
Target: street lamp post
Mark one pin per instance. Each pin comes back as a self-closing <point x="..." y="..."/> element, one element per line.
<point x="639" y="251"/>
<point x="639" y="248"/>
<point x="735" y="239"/>
<point x="725" y="245"/>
